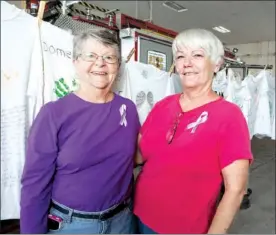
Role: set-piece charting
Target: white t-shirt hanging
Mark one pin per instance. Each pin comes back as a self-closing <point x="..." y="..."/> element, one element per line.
<point x="228" y="91"/>
<point x="252" y="87"/>
<point x="237" y="92"/>
<point x="273" y="122"/>
<point x="17" y="39"/>
<point x="241" y="96"/>
<point x="271" y="97"/>
<point x="53" y="54"/>
<point x="260" y="124"/>
<point x="145" y="85"/>
<point x="119" y="83"/>
<point x="220" y="82"/>
<point x="273" y="118"/>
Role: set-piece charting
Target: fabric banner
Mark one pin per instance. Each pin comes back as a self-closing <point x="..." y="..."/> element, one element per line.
<point x="145" y="85"/>
<point x="52" y="74"/>
<point x="18" y="30"/>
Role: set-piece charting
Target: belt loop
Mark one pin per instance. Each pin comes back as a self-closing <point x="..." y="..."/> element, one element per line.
<point x="69" y="216"/>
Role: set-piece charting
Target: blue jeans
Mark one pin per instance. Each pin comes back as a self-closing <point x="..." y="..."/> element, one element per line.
<point x="144" y="229"/>
<point x="121" y="223"/>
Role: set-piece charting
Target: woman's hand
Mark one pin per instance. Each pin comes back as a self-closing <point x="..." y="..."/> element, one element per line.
<point x="235" y="178"/>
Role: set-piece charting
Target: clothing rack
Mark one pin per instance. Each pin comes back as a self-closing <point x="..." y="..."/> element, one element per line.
<point x="231" y="63"/>
<point x="246" y="67"/>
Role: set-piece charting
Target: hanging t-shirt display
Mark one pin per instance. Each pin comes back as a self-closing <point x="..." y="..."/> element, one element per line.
<point x="145" y="85"/>
<point x="52" y="54"/>
<point x="271" y="97"/>
<point x="18" y="31"/>
<point x="239" y="94"/>
<point x="219" y="83"/>
<point x="260" y="123"/>
<point x="120" y="80"/>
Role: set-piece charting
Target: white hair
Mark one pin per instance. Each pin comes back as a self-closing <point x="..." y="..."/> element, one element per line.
<point x="200" y="38"/>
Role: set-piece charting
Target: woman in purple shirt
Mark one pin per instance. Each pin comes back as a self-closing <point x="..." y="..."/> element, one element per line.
<point x="79" y="163"/>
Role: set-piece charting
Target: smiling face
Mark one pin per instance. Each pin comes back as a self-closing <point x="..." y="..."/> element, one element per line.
<point x="98" y="65"/>
<point x="195" y="68"/>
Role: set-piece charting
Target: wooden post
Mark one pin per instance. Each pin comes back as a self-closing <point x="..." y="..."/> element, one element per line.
<point x="23" y="4"/>
<point x="130" y="54"/>
<point x="40" y="13"/>
<point x="39" y="17"/>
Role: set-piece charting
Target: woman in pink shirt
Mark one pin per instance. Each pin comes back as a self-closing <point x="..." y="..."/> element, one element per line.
<point x="190" y="144"/>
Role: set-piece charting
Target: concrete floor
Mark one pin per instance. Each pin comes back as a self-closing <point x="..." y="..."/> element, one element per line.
<point x="260" y="217"/>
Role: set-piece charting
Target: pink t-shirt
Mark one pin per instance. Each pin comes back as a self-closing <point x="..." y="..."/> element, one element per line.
<point x="179" y="185"/>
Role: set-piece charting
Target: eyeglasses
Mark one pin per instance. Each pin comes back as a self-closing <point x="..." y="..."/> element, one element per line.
<point x="92" y="57"/>
<point x="172" y="131"/>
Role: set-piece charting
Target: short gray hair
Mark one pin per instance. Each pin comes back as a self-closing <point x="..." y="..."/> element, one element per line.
<point x="104" y="36"/>
<point x="200" y="38"/>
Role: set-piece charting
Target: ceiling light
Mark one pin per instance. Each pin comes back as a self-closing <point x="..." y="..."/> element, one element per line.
<point x="174" y="6"/>
<point x="221" y="29"/>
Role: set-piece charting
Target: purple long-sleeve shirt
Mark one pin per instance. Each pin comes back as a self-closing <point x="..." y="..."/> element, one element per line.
<point x="79" y="154"/>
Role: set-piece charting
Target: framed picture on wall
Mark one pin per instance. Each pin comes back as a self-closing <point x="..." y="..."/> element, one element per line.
<point x="157" y="59"/>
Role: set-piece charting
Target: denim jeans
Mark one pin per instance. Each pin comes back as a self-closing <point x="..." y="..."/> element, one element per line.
<point x="144" y="229"/>
<point x="122" y="223"/>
